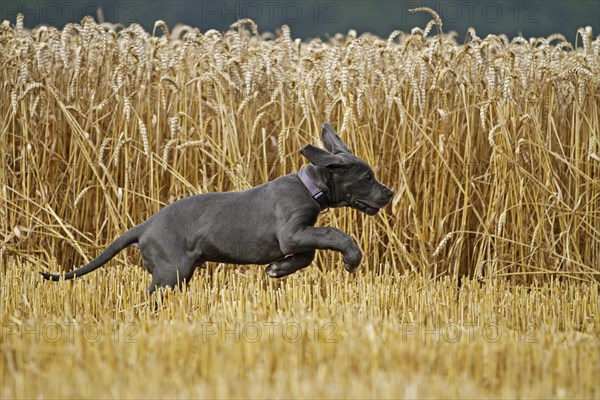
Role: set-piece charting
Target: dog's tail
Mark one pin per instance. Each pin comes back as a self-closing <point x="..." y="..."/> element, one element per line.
<point x="127" y="239"/>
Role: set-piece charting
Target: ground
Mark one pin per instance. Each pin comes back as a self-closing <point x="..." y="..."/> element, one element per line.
<point x="234" y="332"/>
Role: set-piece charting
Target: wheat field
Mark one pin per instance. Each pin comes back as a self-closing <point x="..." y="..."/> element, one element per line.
<point x="480" y="279"/>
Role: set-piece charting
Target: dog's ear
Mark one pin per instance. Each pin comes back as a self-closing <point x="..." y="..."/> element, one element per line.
<point x="332" y="141"/>
<point x="321" y="157"/>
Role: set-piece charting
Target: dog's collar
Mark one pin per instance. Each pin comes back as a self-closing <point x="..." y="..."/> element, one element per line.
<point x="315" y="192"/>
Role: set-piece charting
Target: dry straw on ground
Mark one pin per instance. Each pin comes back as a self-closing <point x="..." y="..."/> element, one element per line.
<point x="491" y="146"/>
<point x="237" y="333"/>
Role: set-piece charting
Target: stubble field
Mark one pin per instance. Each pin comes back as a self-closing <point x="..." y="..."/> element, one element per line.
<point x="479" y="279"/>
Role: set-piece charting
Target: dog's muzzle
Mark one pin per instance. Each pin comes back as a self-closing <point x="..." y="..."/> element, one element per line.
<point x="364" y="207"/>
<point x="371" y="207"/>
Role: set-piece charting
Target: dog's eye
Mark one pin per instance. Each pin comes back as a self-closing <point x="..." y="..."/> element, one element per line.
<point x="369" y="177"/>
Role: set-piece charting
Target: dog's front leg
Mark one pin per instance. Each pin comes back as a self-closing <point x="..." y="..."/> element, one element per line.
<point x="290" y="264"/>
<point x="310" y="238"/>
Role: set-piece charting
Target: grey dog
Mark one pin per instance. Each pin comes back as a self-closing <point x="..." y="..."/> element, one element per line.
<point x="271" y="223"/>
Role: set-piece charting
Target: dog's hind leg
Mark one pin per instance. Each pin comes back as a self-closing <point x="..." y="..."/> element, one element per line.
<point x="290" y="264"/>
<point x="171" y="276"/>
<point x="171" y="269"/>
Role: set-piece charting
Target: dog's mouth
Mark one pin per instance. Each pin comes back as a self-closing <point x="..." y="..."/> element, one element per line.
<point x="364" y="207"/>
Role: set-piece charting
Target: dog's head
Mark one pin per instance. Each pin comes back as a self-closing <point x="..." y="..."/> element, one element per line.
<point x="349" y="180"/>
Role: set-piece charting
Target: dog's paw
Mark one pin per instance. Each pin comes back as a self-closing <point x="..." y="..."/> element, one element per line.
<point x="275" y="271"/>
<point x="271" y="270"/>
<point x="352" y="259"/>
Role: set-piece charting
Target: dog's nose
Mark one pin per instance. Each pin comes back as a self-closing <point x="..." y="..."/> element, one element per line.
<point x="387" y="192"/>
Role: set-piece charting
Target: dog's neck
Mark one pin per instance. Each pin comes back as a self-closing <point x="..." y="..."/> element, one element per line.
<point x="321" y="178"/>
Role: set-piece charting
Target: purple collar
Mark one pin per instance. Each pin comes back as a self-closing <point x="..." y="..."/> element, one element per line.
<point x="312" y="188"/>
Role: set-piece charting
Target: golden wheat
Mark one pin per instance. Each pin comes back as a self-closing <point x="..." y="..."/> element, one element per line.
<point x="103" y="125"/>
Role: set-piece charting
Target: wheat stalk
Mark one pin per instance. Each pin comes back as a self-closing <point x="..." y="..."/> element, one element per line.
<point x="442" y="244"/>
